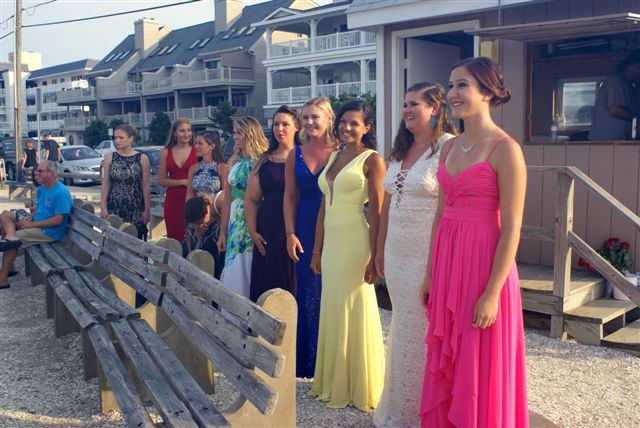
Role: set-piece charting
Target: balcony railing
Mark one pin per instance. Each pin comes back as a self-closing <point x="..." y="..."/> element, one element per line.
<point x="187" y="78"/>
<point x="76" y="95"/>
<point x="134" y="119"/>
<point x="303" y="93"/>
<point x="329" y="42"/>
<point x="78" y="123"/>
<point x="6" y="126"/>
<point x="122" y="90"/>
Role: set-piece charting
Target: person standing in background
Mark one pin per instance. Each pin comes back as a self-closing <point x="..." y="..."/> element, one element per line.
<point x="618" y="102"/>
<point x="51" y="148"/>
<point x="126" y="186"/>
<point x="176" y="158"/>
<point x="249" y="144"/>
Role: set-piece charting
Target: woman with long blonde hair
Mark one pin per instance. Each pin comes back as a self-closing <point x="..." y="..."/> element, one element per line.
<point x="302" y="199"/>
<point x="250" y="144"/>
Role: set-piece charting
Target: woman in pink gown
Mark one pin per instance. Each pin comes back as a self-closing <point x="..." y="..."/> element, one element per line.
<point x="475" y="370"/>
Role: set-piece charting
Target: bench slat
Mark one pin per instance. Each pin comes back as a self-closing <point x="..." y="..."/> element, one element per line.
<point x="84" y="244"/>
<point x="53" y="257"/>
<point x="108" y="296"/>
<point x="173" y="411"/>
<point x="131" y="407"/>
<point x="103" y="310"/>
<point x="246" y="349"/>
<point x="132" y="243"/>
<point x="140" y="285"/>
<point x="129" y="259"/>
<point x="40" y="261"/>
<point x="260" y="321"/>
<point x="248" y="384"/>
<point x="183" y="383"/>
<point x="71" y="302"/>
<point x="89" y="218"/>
<point x="65" y="254"/>
<point x="85" y="230"/>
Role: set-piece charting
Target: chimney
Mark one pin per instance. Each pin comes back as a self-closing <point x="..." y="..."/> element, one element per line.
<point x="226" y="11"/>
<point x="146" y="33"/>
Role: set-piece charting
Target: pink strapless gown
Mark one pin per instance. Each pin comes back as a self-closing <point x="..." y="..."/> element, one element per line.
<point x="473" y="377"/>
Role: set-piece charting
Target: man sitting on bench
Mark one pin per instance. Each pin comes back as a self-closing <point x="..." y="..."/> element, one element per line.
<point x="47" y="224"/>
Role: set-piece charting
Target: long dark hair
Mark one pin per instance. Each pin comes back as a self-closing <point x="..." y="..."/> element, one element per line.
<point x="434" y="95"/>
<point x="171" y="138"/>
<point x="368" y="139"/>
<point x="213" y="139"/>
<point x="284" y="109"/>
<point x="489" y="77"/>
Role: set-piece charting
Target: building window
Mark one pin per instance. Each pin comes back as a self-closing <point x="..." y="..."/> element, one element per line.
<point x="172" y="48"/>
<point x="204" y="42"/>
<point x="110" y="57"/>
<point x="163" y="50"/>
<point x="239" y="100"/>
<point x="213" y="64"/>
<point x="251" y="31"/>
<point x="194" y="44"/>
<point x="576" y="102"/>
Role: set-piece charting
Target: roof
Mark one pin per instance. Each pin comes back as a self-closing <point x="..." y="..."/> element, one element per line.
<point x="180" y="47"/>
<point x="83" y="64"/>
<point x="118" y="55"/>
<point x="362" y="5"/>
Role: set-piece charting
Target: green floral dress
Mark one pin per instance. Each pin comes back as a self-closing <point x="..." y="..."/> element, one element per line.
<point x="239" y="255"/>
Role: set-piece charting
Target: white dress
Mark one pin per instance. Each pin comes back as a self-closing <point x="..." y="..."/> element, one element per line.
<point x="414" y="199"/>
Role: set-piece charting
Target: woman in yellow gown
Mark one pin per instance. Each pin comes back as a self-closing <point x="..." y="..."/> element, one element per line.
<point x="350" y="359"/>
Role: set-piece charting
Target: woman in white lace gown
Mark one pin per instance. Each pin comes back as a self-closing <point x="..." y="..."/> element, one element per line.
<point x="409" y="206"/>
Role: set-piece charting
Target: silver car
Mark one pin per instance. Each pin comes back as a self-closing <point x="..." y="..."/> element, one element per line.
<point x="80" y="164"/>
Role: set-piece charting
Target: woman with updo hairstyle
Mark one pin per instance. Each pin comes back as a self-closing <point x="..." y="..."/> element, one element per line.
<point x="475" y="370"/>
<point x="177" y="156"/>
<point x="350" y="357"/>
<point x="126" y="186"/>
<point x="408" y="209"/>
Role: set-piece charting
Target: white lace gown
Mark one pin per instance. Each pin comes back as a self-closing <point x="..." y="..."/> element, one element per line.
<point x="414" y="199"/>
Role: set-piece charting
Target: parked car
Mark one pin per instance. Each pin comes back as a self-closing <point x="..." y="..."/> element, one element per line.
<point x="80" y="164"/>
<point x="8" y="153"/>
<point x="108" y="146"/>
<point x="153" y="152"/>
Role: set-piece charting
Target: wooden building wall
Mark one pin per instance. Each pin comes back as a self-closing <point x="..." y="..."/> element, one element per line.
<point x="615" y="167"/>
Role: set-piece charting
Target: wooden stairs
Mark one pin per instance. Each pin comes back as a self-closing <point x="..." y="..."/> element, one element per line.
<point x="588" y="316"/>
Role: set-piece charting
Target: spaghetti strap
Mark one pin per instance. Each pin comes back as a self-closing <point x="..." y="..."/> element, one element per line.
<point x="444" y="157"/>
<point x="506" y="137"/>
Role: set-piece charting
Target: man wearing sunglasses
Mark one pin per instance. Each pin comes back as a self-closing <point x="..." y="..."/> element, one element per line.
<point x="47" y="224"/>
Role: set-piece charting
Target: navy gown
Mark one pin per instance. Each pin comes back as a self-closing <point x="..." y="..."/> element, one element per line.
<point x="308" y="284"/>
<point x="275" y="269"/>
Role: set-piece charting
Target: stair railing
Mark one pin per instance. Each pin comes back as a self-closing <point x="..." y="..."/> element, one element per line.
<point x="567" y="240"/>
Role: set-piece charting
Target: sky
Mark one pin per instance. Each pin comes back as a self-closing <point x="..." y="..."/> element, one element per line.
<point x="63" y="43"/>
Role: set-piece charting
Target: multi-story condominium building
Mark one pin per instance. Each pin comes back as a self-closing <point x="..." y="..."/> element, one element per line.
<point x="313" y="53"/>
<point x="41" y="88"/>
<point x="183" y="72"/>
<point x="30" y="61"/>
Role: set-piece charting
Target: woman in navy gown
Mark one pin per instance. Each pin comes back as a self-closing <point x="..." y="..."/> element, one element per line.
<point x="301" y="204"/>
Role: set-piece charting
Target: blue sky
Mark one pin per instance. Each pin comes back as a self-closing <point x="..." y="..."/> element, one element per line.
<point x="92" y="39"/>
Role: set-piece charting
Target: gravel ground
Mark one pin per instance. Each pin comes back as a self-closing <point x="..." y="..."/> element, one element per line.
<point x="41" y="382"/>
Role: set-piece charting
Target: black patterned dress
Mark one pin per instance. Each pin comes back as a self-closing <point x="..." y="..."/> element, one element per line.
<point x="126" y="198"/>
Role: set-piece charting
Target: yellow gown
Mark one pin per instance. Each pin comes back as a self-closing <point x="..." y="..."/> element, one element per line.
<point x="350" y="359"/>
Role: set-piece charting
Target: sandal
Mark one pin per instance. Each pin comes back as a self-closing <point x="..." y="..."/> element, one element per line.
<point x="6" y="245"/>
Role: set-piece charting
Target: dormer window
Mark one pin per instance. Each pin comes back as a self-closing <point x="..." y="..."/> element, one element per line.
<point x="163" y="50"/>
<point x="229" y="33"/>
<point x="124" y="55"/>
<point x="204" y="42"/>
<point x="194" y="44"/>
<point x="241" y="31"/>
<point x="172" y="48"/>
<point x="251" y="31"/>
<point x="110" y="57"/>
<point x="155" y="52"/>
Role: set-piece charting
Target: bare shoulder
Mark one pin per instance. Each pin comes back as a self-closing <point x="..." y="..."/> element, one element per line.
<point x="508" y="154"/>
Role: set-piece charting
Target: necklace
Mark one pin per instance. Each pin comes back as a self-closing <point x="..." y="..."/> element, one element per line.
<point x="466" y="149"/>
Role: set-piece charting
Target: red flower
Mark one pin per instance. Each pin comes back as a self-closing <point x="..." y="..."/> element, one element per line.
<point x="582" y="262"/>
<point x="624" y="245"/>
<point x="607" y="244"/>
<point x="614" y="240"/>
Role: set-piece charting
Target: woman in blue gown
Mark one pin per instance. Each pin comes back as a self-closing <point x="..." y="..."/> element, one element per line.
<point x="301" y="204"/>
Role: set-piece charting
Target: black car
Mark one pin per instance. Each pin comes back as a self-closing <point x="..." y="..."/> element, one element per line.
<point x="8" y="153"/>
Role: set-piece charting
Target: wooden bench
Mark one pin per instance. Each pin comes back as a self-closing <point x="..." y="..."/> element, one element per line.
<point x="93" y="278"/>
<point x="20" y="190"/>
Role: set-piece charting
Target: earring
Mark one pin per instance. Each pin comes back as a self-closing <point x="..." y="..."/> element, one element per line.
<point x="433" y="122"/>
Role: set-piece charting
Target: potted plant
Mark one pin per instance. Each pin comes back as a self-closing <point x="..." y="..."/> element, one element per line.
<point x="616" y="252"/>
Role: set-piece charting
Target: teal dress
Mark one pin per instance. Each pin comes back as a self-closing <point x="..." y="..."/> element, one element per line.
<point x="237" y="263"/>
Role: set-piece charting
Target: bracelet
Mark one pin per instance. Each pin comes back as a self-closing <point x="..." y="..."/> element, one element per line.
<point x="290" y="233"/>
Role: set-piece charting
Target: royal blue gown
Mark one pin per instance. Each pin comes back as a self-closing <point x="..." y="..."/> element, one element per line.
<point x="309" y="285"/>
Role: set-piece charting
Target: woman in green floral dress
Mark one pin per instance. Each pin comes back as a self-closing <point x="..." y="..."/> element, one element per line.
<point x="249" y="144"/>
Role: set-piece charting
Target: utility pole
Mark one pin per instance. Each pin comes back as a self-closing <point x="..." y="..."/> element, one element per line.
<point x="18" y="86"/>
